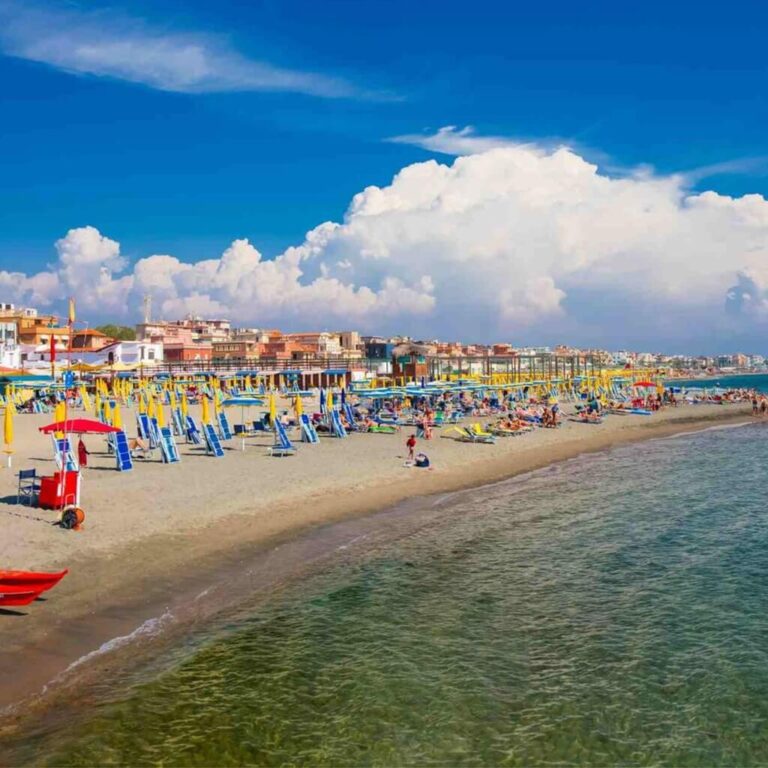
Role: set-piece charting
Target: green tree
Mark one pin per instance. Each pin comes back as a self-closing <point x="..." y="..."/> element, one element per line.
<point x="121" y="332"/>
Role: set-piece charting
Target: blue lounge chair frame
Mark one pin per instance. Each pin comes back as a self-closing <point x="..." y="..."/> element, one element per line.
<point x="212" y="444"/>
<point x="283" y="446"/>
<point x="29" y="487"/>
<point x="123" y="458"/>
<point x="308" y="431"/>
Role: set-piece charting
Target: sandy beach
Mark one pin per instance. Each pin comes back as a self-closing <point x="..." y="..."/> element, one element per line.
<point x="154" y="533"/>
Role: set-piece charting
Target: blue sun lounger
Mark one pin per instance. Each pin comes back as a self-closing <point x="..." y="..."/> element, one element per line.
<point x="168" y="448"/>
<point x="308" y="431"/>
<point x="283" y="446"/>
<point x="225" y="431"/>
<point x="123" y="459"/>
<point x="212" y="444"/>
<point x="336" y="425"/>
<point x="350" y="418"/>
<point x="193" y="433"/>
<point x="178" y="429"/>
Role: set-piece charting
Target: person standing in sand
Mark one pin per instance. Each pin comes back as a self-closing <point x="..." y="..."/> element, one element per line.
<point x="410" y="444"/>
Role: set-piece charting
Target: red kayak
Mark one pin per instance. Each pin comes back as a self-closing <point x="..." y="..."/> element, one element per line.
<point x="34" y="580"/>
<point x="15" y="595"/>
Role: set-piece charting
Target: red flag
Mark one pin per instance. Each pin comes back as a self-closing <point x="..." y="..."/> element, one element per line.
<point x="53" y="349"/>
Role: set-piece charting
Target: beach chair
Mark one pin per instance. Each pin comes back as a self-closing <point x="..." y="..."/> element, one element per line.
<point x="308" y="431"/>
<point x="336" y="425"/>
<point x="178" y="429"/>
<point x="350" y="416"/>
<point x="29" y="487"/>
<point x="261" y="425"/>
<point x="478" y="431"/>
<point x="283" y="446"/>
<point x="193" y="433"/>
<point x="168" y="449"/>
<point x="466" y="436"/>
<point x="123" y="459"/>
<point x="154" y="434"/>
<point x="212" y="444"/>
<point x="225" y="431"/>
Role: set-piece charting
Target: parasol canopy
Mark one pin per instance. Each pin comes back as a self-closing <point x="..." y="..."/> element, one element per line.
<point x="79" y="427"/>
<point x="644" y="384"/>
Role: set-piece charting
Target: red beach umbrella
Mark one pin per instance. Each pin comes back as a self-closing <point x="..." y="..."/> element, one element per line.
<point x="79" y="427"/>
<point x="644" y="384"/>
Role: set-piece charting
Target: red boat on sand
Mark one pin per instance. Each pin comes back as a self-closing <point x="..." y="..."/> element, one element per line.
<point x="15" y="595"/>
<point x="34" y="580"/>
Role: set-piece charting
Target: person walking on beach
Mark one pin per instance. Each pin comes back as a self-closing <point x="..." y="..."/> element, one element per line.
<point x="410" y="444"/>
<point x="82" y="453"/>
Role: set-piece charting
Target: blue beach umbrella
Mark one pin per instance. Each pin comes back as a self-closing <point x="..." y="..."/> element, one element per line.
<point x="343" y="397"/>
<point x="322" y="401"/>
<point x="243" y="402"/>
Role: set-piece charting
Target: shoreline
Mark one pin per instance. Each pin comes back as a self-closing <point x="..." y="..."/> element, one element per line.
<point x="107" y="600"/>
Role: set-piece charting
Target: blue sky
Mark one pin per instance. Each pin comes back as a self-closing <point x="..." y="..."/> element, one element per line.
<point x="297" y="119"/>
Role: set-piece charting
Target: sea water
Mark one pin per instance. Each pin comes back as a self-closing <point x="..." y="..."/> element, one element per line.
<point x="608" y="610"/>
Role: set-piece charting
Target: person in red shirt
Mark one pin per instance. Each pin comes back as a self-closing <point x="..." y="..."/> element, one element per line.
<point x="411" y="445"/>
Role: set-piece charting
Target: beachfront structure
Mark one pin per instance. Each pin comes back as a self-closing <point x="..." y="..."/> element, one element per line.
<point x="124" y="353"/>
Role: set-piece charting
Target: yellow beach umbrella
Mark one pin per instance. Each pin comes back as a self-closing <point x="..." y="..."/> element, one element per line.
<point x="151" y="409"/>
<point x="329" y="401"/>
<point x="107" y="412"/>
<point x="8" y="433"/>
<point x="117" y="418"/>
<point x="272" y="408"/>
<point x="160" y="415"/>
<point x="299" y="407"/>
<point x="184" y="407"/>
<point x="205" y="415"/>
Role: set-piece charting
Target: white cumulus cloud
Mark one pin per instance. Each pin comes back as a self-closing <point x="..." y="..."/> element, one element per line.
<point x="517" y="243"/>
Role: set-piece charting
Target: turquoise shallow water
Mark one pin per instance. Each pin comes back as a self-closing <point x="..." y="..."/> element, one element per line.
<point x="610" y="610"/>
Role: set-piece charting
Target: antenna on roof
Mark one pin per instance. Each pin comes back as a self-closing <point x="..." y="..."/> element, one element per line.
<point x="147" y="308"/>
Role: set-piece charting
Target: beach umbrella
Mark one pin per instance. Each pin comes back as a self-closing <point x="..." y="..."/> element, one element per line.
<point x="243" y="402"/>
<point x="151" y="409"/>
<point x="205" y="415"/>
<point x="272" y="408"/>
<point x="142" y="405"/>
<point x="8" y="432"/>
<point x="107" y="412"/>
<point x="117" y="419"/>
<point x="160" y="416"/>
<point x="184" y="407"/>
<point x="322" y="401"/>
<point x="298" y="407"/>
<point x="329" y="401"/>
<point x="343" y="396"/>
<point x="79" y="427"/>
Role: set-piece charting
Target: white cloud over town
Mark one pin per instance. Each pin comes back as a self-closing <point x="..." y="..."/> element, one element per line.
<point x="513" y="242"/>
<point x="106" y="44"/>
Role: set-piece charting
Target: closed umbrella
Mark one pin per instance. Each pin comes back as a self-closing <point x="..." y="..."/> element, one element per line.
<point x="205" y="415"/>
<point x="117" y="418"/>
<point x="272" y="408"/>
<point x="151" y="408"/>
<point x="184" y="408"/>
<point x="298" y="407"/>
<point x="8" y="432"/>
<point x="160" y="415"/>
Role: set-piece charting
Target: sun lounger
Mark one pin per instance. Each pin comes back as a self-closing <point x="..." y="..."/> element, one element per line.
<point x="336" y="425"/>
<point x="283" y="446"/>
<point x="308" y="431"/>
<point x="466" y="436"/>
<point x="178" y="428"/>
<point x="123" y="459"/>
<point x="193" y="433"/>
<point x="225" y="431"/>
<point x="350" y="417"/>
<point x="212" y="444"/>
<point x="63" y="455"/>
<point x="168" y="449"/>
